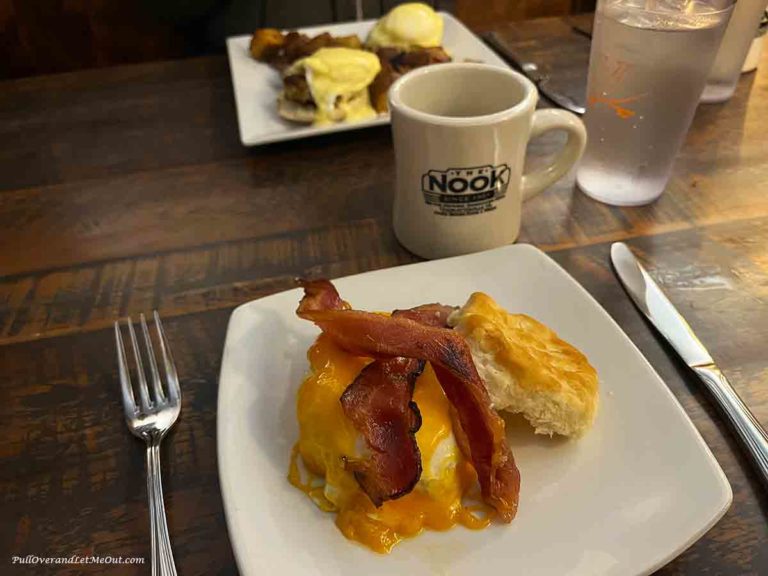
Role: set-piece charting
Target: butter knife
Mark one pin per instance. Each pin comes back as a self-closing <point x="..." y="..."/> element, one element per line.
<point x="652" y="302"/>
<point x="535" y="75"/>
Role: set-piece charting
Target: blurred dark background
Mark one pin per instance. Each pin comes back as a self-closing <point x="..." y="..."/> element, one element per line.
<point x="49" y="36"/>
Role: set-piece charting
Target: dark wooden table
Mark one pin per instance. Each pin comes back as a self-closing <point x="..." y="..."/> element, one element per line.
<point x="126" y="189"/>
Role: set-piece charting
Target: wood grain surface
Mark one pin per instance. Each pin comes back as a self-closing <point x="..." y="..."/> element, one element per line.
<point x="126" y="189"/>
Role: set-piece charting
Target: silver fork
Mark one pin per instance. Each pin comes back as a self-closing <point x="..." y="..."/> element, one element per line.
<point x="150" y="420"/>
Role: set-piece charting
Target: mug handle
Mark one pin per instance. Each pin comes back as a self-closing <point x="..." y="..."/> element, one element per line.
<point x="544" y="121"/>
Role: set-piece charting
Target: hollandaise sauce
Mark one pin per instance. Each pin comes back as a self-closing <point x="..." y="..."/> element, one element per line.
<point x="338" y="79"/>
<point x="408" y="26"/>
<point x="447" y="493"/>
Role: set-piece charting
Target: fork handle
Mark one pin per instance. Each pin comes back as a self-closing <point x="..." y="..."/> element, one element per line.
<point x="162" y="554"/>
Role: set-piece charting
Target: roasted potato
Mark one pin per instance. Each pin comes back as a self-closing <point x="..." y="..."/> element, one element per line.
<point x="313" y="45"/>
<point x="351" y="41"/>
<point x="266" y="44"/>
<point x="380" y="85"/>
<point x="422" y="57"/>
<point x="281" y="50"/>
<point x="396" y="62"/>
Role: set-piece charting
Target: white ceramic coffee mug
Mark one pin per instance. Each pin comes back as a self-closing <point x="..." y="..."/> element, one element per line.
<point x="460" y="133"/>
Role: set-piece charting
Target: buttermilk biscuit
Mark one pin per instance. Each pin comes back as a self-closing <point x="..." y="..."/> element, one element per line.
<point x="528" y="369"/>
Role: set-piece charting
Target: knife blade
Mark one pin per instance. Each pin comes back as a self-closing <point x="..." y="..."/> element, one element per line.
<point x="652" y="302"/>
<point x="532" y="71"/>
<point x="662" y="314"/>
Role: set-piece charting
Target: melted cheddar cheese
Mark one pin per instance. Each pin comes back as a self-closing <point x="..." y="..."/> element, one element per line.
<point x="326" y="436"/>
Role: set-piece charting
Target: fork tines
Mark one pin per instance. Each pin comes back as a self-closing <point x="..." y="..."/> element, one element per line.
<point x="160" y="397"/>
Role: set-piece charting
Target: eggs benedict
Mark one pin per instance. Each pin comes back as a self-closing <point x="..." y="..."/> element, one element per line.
<point x="331" y="85"/>
<point x="407" y="26"/>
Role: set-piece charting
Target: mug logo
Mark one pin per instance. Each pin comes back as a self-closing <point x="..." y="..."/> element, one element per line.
<point x="465" y="191"/>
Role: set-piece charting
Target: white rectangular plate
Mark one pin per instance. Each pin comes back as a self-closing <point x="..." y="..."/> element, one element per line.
<point x="632" y="494"/>
<point x="257" y="84"/>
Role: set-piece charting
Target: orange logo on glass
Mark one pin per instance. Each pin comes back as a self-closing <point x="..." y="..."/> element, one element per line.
<point x="617" y="72"/>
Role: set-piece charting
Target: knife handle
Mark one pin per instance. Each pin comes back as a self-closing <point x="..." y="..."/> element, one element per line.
<point x="752" y="435"/>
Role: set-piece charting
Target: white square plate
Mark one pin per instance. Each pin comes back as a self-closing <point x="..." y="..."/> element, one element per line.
<point x="257" y="84"/>
<point x="633" y="493"/>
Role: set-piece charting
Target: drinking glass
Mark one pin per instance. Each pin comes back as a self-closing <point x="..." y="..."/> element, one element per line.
<point x="738" y="37"/>
<point x="648" y="66"/>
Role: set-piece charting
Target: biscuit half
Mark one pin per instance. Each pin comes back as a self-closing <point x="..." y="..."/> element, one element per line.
<point x="528" y="369"/>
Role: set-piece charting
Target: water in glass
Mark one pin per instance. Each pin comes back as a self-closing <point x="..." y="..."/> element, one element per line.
<point x="648" y="66"/>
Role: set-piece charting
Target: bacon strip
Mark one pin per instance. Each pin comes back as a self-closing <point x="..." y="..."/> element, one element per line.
<point x="482" y="431"/>
<point x="320" y="294"/>
<point x="428" y="314"/>
<point x="379" y="404"/>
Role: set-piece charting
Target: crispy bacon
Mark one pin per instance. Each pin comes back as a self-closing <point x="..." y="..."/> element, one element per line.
<point x="482" y="433"/>
<point x="320" y="295"/>
<point x="428" y="314"/>
<point x="379" y="404"/>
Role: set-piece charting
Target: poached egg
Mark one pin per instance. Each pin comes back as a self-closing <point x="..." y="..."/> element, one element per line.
<point x="338" y="79"/>
<point x="407" y="26"/>
<point x="447" y="493"/>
